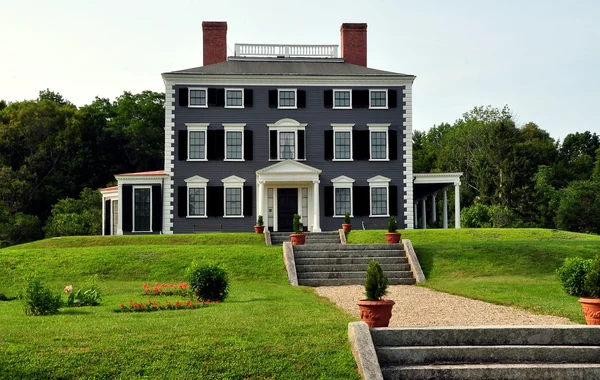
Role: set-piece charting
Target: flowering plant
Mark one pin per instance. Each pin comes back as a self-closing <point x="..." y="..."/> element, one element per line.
<point x="88" y="295"/>
<point x="181" y="289"/>
<point x="133" y="307"/>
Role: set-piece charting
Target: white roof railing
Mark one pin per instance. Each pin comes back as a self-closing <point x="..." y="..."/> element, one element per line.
<point x="277" y="50"/>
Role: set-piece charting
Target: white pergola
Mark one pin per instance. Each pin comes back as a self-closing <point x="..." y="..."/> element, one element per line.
<point x="427" y="185"/>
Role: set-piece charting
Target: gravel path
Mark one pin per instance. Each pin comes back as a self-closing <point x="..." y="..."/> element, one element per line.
<point x="418" y="306"/>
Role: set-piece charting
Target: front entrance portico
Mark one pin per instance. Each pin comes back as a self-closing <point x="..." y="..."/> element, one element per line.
<point x="277" y="186"/>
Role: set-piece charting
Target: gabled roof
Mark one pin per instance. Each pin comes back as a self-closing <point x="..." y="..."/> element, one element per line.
<point x="287" y="66"/>
<point x="143" y="174"/>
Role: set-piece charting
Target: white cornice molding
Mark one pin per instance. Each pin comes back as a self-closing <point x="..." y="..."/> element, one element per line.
<point x="441" y="178"/>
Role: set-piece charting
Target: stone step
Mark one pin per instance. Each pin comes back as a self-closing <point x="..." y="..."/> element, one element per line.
<point x="350" y="268"/>
<point x="507" y="354"/>
<point x="495" y="371"/>
<point x="349" y="260"/>
<point x="568" y="335"/>
<point x="351" y="247"/>
<point x="348" y="254"/>
<point x="358" y="275"/>
<point x="350" y="281"/>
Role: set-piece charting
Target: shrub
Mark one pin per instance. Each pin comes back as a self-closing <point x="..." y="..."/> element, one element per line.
<point x="503" y="217"/>
<point x="208" y="282"/>
<point x="392" y="224"/>
<point x="74" y="217"/>
<point x="592" y="280"/>
<point x="38" y="299"/>
<point x="475" y="216"/>
<point x="89" y="295"/>
<point x="376" y="282"/>
<point x="347" y="218"/>
<point x="572" y="275"/>
<point x="579" y="207"/>
<point x="297" y="224"/>
<point x="259" y="221"/>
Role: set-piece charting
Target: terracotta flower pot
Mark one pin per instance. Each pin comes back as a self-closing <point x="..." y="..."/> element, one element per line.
<point x="392" y="237"/>
<point x="376" y="313"/>
<point x="347" y="227"/>
<point x="591" y="310"/>
<point x="259" y="229"/>
<point x="298" y="239"/>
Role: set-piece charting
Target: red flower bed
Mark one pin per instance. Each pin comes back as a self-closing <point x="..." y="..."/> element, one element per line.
<point x="181" y="289"/>
<point x="157" y="306"/>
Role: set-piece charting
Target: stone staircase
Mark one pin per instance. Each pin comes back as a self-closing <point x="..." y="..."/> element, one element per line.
<point x="325" y="264"/>
<point x="487" y="352"/>
<point x="332" y="237"/>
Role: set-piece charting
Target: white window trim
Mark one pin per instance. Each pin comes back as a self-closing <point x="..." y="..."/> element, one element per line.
<point x="190" y="105"/>
<point x="343" y="182"/>
<point x="197" y="127"/>
<point x="343" y="128"/>
<point x="230" y="127"/>
<point x="342" y="90"/>
<point x="386" y="99"/>
<point x="233" y="182"/>
<point x="379" y="182"/>
<point x="234" y="89"/>
<point x="133" y="207"/>
<point x="196" y="182"/>
<point x="295" y="106"/>
<point x="379" y="128"/>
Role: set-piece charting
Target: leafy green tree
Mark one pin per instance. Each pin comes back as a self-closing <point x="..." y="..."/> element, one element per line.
<point x="17" y="228"/>
<point x="579" y="207"/>
<point x="75" y="217"/>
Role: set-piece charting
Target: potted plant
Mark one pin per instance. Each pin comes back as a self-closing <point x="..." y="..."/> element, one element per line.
<point x="259" y="228"/>
<point x="375" y="311"/>
<point x="580" y="277"/>
<point x="392" y="237"/>
<point x="298" y="237"/>
<point x="347" y="226"/>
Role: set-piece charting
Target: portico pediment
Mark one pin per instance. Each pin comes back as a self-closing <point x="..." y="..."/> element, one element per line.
<point x="288" y="167"/>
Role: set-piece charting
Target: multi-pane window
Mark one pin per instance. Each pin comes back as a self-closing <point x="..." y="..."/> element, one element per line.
<point x="233" y="201"/>
<point x="142" y="212"/>
<point x="379" y="201"/>
<point x="378" y="99"/>
<point x="287" y="145"/>
<point x="378" y="145"/>
<point x="234" y="142"/>
<point x="234" y="98"/>
<point x="342" y="145"/>
<point x="342" y="99"/>
<point x="197" y="141"/>
<point x="197" y="205"/>
<point x="287" y="98"/>
<point x="197" y="97"/>
<point x="342" y="201"/>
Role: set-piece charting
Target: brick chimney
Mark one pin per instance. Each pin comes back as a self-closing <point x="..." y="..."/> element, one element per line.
<point x="354" y="43"/>
<point x="214" y="42"/>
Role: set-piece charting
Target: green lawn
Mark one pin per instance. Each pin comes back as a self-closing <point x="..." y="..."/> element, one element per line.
<point x="504" y="266"/>
<point x="266" y="329"/>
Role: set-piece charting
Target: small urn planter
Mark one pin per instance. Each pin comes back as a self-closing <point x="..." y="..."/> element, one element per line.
<point x="376" y="313"/>
<point x="259" y="228"/>
<point x="298" y="239"/>
<point x="346" y="227"/>
<point x="591" y="310"/>
<point x="392" y="237"/>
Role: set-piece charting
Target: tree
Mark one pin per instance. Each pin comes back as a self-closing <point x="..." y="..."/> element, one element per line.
<point x="75" y="217"/>
<point x="579" y="207"/>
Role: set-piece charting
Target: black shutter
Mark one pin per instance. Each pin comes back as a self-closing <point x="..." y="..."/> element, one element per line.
<point x="392" y="99"/>
<point x="107" y="217"/>
<point x="182" y="203"/>
<point x="248" y="200"/>
<point x="220" y="144"/>
<point x="328" y="98"/>
<point x="360" y="145"/>
<point x="214" y="201"/>
<point x="212" y="97"/>
<point x="211" y="145"/>
<point x="127" y="208"/>
<point x="248" y="148"/>
<point x="301" y="99"/>
<point x="183" y="97"/>
<point x="273" y="98"/>
<point x="329" y="201"/>
<point x="328" y="148"/>
<point x="394" y="201"/>
<point x="248" y="98"/>
<point x="273" y="145"/>
<point x="183" y="145"/>
<point x="360" y="98"/>
<point x="360" y="201"/>
<point x="157" y="208"/>
<point x="301" y="146"/>
<point x="220" y="97"/>
<point x="393" y="144"/>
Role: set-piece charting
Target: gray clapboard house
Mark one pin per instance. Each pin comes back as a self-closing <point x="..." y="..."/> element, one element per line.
<point x="277" y="130"/>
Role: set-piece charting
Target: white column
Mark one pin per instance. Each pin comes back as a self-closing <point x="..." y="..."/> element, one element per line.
<point x="416" y="207"/>
<point x="424" y="213"/>
<point x="445" y="208"/>
<point x="120" y="215"/>
<point x="433" y="208"/>
<point x="457" y="205"/>
<point x="260" y="203"/>
<point x="104" y="211"/>
<point x="316" y="210"/>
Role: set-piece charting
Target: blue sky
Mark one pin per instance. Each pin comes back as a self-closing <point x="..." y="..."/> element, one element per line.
<point x="541" y="58"/>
